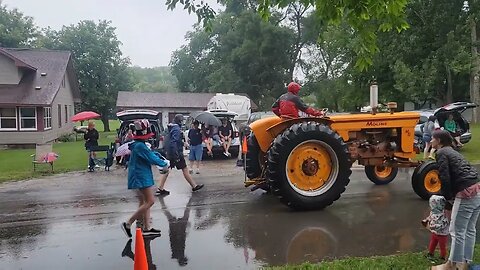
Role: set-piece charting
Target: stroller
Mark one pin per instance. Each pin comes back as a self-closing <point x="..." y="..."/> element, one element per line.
<point x="105" y="162"/>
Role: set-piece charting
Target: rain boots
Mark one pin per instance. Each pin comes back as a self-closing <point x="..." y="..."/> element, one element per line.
<point x="451" y="266"/>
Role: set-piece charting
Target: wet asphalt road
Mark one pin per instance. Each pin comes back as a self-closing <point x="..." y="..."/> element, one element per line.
<point x="71" y="221"/>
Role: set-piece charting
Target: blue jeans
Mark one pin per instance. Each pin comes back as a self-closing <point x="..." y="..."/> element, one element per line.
<point x="462" y="228"/>
<point x="196" y="152"/>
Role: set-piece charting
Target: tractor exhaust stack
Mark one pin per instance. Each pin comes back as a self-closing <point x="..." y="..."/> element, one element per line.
<point x="374" y="96"/>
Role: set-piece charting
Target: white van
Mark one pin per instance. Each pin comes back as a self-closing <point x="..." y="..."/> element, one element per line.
<point x="230" y="102"/>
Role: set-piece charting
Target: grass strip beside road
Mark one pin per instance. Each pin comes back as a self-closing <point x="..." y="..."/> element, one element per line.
<point x="415" y="260"/>
<point x="17" y="163"/>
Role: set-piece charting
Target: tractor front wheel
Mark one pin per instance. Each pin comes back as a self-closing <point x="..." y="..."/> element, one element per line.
<point x="381" y="175"/>
<point x="308" y="166"/>
<point x="426" y="180"/>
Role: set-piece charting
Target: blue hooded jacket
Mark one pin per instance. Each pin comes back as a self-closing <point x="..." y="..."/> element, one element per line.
<point x="175" y="144"/>
<point x="140" y="165"/>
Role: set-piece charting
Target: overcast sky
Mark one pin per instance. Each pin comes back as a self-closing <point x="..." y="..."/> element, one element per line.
<point x="148" y="31"/>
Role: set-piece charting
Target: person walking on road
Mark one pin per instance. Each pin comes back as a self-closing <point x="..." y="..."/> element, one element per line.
<point x="428" y="130"/>
<point x="140" y="178"/>
<point x="196" y="147"/>
<point x="175" y="155"/>
<point x="459" y="182"/>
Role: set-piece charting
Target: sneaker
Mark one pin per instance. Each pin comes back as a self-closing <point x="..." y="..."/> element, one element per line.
<point x="162" y="192"/>
<point x="225" y="154"/>
<point x="151" y="232"/>
<point x="229" y="155"/>
<point x="190" y="171"/>
<point x="126" y="229"/>
<point x="127" y="250"/>
<point x="197" y="172"/>
<point x="96" y="166"/>
<point x="197" y="187"/>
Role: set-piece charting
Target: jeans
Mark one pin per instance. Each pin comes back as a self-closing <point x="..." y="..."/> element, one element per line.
<point x="462" y="228"/>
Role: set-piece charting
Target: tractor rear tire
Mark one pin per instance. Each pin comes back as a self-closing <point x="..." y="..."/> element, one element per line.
<point x="381" y="175"/>
<point x="253" y="168"/>
<point x="425" y="180"/>
<point x="308" y="166"/>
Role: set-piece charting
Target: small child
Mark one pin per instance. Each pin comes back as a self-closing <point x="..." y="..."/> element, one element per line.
<point x="437" y="223"/>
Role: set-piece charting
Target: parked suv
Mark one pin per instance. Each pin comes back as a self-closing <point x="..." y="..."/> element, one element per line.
<point x="128" y="116"/>
<point x="456" y="109"/>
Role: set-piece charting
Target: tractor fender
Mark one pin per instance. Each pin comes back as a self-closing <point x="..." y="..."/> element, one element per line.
<point x="267" y="129"/>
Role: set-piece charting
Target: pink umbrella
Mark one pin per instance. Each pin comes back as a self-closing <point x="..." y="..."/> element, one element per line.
<point x="86" y="115"/>
<point x="50" y="157"/>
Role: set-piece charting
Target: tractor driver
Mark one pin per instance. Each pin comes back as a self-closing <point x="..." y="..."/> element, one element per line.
<point x="288" y="104"/>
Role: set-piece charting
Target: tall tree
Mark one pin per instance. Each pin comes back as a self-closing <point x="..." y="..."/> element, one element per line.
<point x="242" y="54"/>
<point x="366" y="17"/>
<point x="157" y="79"/>
<point x="472" y="7"/>
<point x="102" y="69"/>
<point x="16" y="29"/>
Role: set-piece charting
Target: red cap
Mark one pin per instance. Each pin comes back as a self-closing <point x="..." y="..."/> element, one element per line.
<point x="294" y="88"/>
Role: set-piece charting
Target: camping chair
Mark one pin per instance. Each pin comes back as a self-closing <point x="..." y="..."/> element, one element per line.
<point x="40" y="156"/>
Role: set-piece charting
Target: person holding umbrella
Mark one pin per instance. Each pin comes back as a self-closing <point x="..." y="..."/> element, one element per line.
<point x="175" y="155"/>
<point x="91" y="141"/>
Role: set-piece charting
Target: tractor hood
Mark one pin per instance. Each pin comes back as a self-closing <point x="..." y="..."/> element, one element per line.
<point x="456" y="106"/>
<point x="137" y="114"/>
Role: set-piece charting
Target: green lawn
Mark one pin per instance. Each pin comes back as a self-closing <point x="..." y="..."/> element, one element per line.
<point x="470" y="150"/>
<point x="73" y="157"/>
<point x="402" y="261"/>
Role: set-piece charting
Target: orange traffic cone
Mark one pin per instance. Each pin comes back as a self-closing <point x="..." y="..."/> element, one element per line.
<point x="244" y="145"/>
<point x="140" y="260"/>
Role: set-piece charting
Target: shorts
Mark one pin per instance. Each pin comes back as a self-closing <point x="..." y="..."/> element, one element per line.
<point x="426" y="138"/>
<point x="196" y="152"/>
<point x="179" y="164"/>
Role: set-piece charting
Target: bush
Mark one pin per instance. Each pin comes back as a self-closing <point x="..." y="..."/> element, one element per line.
<point x="67" y="137"/>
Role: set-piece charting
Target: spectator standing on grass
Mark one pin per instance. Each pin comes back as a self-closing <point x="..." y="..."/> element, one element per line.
<point x="459" y="182"/>
<point x="175" y="155"/>
<point x="140" y="178"/>
<point x="91" y="141"/>
<point x="225" y="133"/>
<point x="196" y="147"/>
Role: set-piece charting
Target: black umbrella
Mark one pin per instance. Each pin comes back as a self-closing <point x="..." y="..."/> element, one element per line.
<point x="207" y="118"/>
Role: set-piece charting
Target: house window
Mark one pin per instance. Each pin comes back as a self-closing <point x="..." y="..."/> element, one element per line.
<point x="66" y="114"/>
<point x="47" y="118"/>
<point x="59" y="113"/>
<point x="28" y="118"/>
<point x="8" y="119"/>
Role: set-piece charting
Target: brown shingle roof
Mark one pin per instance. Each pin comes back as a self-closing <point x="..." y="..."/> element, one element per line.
<point x="166" y="100"/>
<point x="54" y="63"/>
<point x="162" y="100"/>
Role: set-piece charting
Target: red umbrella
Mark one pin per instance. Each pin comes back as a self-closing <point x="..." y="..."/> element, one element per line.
<point x="86" y="115"/>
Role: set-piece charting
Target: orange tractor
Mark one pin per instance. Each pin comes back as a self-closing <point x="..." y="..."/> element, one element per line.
<point x="306" y="162"/>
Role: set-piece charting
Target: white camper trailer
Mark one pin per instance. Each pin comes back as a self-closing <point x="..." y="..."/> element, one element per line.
<point x="230" y="102"/>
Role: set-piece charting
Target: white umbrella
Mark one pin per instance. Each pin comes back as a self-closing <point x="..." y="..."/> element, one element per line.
<point x="123" y="150"/>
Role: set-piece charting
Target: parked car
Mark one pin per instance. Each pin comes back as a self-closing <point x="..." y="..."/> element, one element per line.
<point x="456" y="109"/>
<point x="128" y="116"/>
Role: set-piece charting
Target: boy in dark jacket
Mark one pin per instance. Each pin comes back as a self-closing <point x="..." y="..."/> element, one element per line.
<point x="175" y="155"/>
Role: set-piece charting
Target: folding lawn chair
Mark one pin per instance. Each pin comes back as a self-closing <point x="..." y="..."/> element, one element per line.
<point x="43" y="156"/>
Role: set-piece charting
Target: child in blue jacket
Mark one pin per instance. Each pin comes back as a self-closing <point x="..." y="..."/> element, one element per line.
<point x="140" y="177"/>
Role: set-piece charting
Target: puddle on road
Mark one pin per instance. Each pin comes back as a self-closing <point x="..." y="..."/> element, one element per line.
<point x="199" y="235"/>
